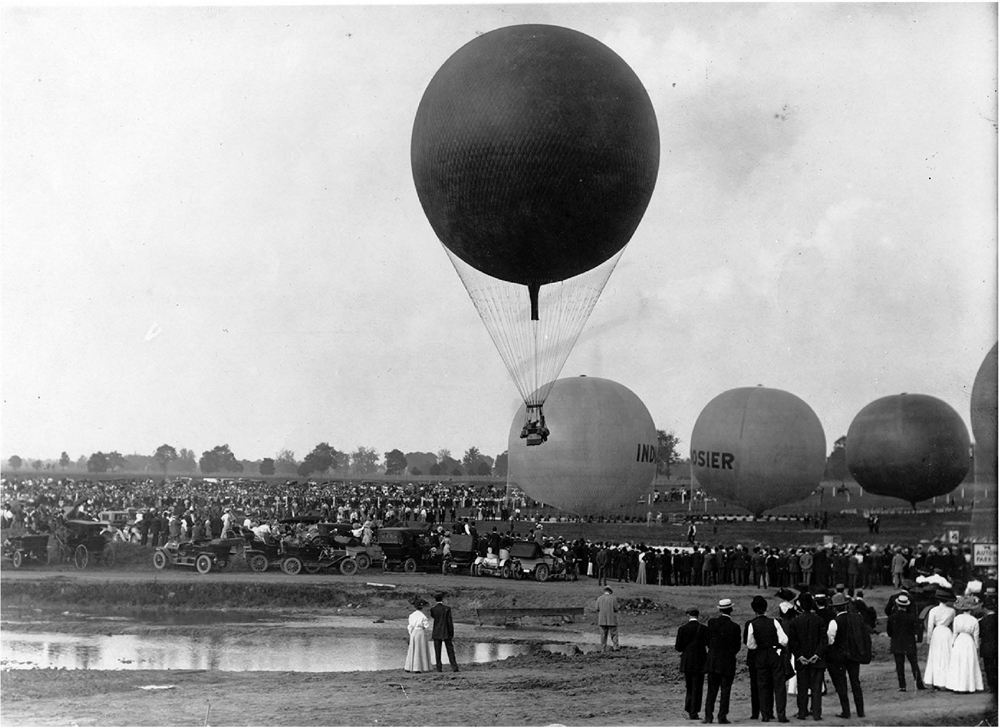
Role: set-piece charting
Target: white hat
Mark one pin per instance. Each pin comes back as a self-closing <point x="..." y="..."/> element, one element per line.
<point x="725" y="603"/>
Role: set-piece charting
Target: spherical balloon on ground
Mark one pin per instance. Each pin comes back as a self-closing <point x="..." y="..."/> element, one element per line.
<point x="758" y="447"/>
<point x="910" y="446"/>
<point x="535" y="151"/>
<point x="600" y="455"/>
<point x="983" y="410"/>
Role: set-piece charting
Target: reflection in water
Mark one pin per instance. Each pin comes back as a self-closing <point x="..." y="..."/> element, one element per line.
<point x="256" y="652"/>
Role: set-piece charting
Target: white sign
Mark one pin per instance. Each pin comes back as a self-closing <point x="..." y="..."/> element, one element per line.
<point x="953" y="536"/>
<point x="984" y="554"/>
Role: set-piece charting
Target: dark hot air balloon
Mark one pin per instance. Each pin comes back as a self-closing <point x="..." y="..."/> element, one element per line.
<point x="534" y="152"/>
<point x="758" y="447"/>
<point x="983" y="411"/>
<point x="600" y="456"/>
<point x="910" y="446"/>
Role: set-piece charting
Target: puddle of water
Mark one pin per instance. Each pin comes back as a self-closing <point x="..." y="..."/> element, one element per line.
<point x="267" y="652"/>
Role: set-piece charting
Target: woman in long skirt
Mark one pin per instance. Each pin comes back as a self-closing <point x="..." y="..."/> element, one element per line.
<point x="640" y="576"/>
<point x="964" y="674"/>
<point x="418" y="654"/>
<point x="939" y="637"/>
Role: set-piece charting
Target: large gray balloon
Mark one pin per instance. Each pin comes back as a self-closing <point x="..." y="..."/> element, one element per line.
<point x="983" y="409"/>
<point x="600" y="454"/>
<point x="758" y="447"/>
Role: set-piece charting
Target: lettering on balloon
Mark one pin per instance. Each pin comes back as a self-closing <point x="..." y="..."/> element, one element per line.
<point x="645" y="453"/>
<point x="714" y="460"/>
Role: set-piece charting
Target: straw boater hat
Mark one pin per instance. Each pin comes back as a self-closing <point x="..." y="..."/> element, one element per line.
<point x="725" y="604"/>
<point x="902" y="600"/>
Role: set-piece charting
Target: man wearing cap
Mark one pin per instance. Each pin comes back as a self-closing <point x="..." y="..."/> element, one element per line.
<point x="723" y="646"/>
<point x="692" y="642"/>
<point x="766" y="639"/>
<point x="846" y="637"/>
<point x="807" y="641"/>
<point x="607" y="618"/>
<point x="905" y="630"/>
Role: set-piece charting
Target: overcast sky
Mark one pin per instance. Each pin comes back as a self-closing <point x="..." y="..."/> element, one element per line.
<point x="210" y="232"/>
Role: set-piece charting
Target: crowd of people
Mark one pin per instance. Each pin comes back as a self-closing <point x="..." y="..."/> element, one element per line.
<point x="816" y="634"/>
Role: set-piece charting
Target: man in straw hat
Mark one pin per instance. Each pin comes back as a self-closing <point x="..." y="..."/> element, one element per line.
<point x="905" y="630"/>
<point x="723" y="645"/>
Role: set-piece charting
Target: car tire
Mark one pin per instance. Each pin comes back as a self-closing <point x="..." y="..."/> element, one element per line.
<point x="541" y="572"/>
<point x="348" y="566"/>
<point x="363" y="561"/>
<point x="410" y="566"/>
<point x="203" y="563"/>
<point x="258" y="563"/>
<point x="291" y="566"/>
<point x="159" y="560"/>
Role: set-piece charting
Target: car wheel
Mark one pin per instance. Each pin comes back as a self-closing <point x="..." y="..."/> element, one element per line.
<point x="80" y="556"/>
<point x="541" y="572"/>
<point x="18" y="558"/>
<point x="159" y="560"/>
<point x="258" y="563"/>
<point x="410" y="566"/>
<point x="292" y="566"/>
<point x="108" y="555"/>
<point x="363" y="561"/>
<point x="349" y="566"/>
<point x="203" y="563"/>
<point x="506" y="571"/>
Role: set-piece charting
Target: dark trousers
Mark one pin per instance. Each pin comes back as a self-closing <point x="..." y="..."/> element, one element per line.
<point x="901" y="669"/>
<point x="754" y="686"/>
<point x="772" y="690"/>
<point x="721" y="685"/>
<point x="840" y="672"/>
<point x="990" y="672"/>
<point x="694" y="683"/>
<point x="809" y="683"/>
<point x="450" y="647"/>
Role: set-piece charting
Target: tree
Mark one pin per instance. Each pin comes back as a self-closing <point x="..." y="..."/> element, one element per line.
<point x="219" y="459"/>
<point x="164" y="455"/>
<point x="836" y="463"/>
<point x="64" y="460"/>
<point x="37" y="464"/>
<point x="364" y="461"/>
<point x="15" y="462"/>
<point x="285" y="463"/>
<point x="267" y="466"/>
<point x="416" y="471"/>
<point x="187" y="462"/>
<point x="447" y="464"/>
<point x="667" y="456"/>
<point x="471" y="459"/>
<point x="483" y="468"/>
<point x="116" y="461"/>
<point x="322" y="458"/>
<point x="434" y="470"/>
<point x="500" y="466"/>
<point x="82" y="462"/>
<point x="395" y="462"/>
<point x="98" y="462"/>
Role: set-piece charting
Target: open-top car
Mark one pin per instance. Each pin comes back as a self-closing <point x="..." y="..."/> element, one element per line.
<point x="203" y="555"/>
<point x="27" y="547"/>
<point x="83" y="541"/>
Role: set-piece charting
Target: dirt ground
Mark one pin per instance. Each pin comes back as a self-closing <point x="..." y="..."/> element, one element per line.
<point x="634" y="686"/>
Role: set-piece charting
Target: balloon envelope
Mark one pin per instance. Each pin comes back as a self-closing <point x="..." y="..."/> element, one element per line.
<point x="600" y="455"/>
<point x="758" y="447"/>
<point x="910" y="446"/>
<point x="983" y="409"/>
<point x="534" y="151"/>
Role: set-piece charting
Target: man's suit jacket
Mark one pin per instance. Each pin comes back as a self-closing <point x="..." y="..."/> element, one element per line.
<point x="724" y="644"/>
<point x="692" y="642"/>
<point x="444" y="628"/>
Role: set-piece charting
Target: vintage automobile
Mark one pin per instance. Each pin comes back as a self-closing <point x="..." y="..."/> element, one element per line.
<point x="495" y="565"/>
<point x="83" y="541"/>
<point x="529" y="559"/>
<point x="21" y="549"/>
<point x="260" y="552"/>
<point x="462" y="557"/>
<point x="343" y="535"/>
<point x="411" y="549"/>
<point x="203" y="555"/>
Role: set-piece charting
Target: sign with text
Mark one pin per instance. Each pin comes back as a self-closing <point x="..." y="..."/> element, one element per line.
<point x="984" y="554"/>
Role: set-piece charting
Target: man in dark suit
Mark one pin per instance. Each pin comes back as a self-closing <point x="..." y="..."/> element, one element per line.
<point x="846" y="654"/>
<point x="904" y="630"/>
<point x="692" y="642"/>
<point x="807" y="640"/>
<point x="724" y="644"/>
<point x="988" y="638"/>
<point x="444" y="630"/>
<point x="765" y="637"/>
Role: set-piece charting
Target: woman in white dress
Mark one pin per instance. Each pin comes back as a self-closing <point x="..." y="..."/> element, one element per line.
<point x="964" y="674"/>
<point x="640" y="576"/>
<point x="418" y="654"/>
<point x="939" y="637"/>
